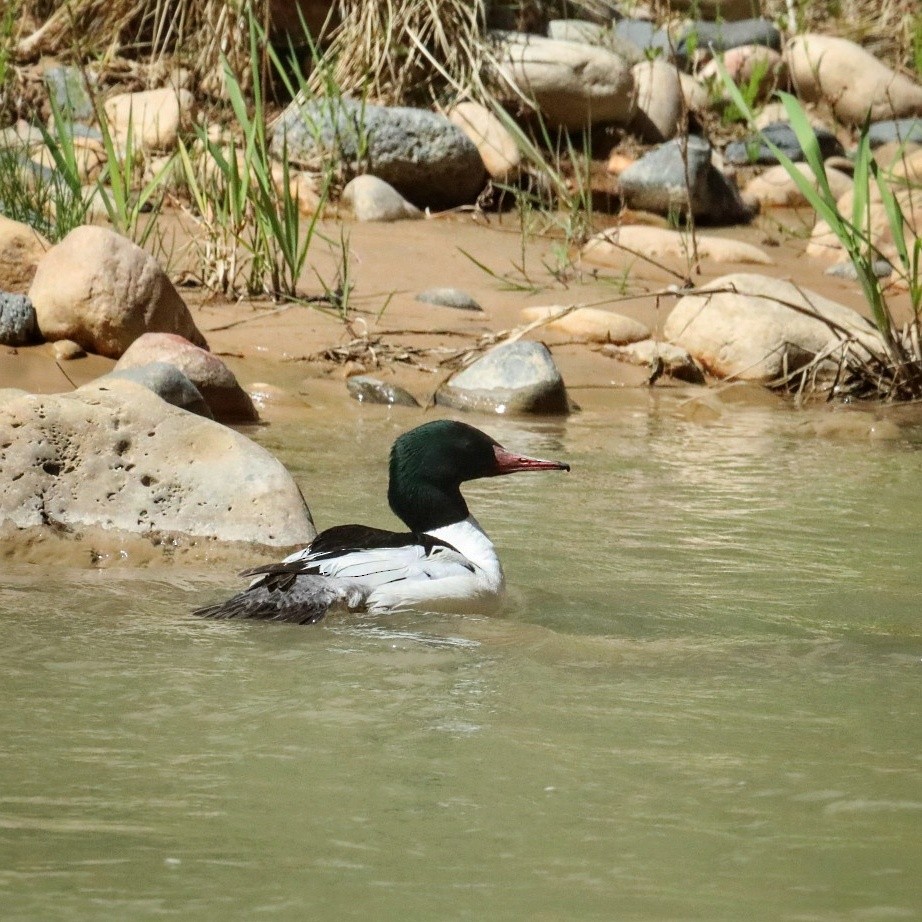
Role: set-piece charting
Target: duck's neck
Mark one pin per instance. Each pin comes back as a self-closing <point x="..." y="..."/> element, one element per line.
<point x="469" y="539"/>
<point x="425" y="506"/>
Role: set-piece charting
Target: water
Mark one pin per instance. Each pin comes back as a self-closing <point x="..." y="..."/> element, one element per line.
<point x="702" y="704"/>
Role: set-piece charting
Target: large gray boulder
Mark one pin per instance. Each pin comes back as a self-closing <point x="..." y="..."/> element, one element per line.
<point x="518" y="377"/>
<point x="102" y="291"/>
<point x="114" y="456"/>
<point x="427" y="159"/>
<point x="757" y="328"/>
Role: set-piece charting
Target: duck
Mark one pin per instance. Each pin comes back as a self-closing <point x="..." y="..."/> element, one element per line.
<point x="445" y="562"/>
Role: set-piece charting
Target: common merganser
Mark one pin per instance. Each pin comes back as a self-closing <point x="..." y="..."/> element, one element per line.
<point x="445" y="562"/>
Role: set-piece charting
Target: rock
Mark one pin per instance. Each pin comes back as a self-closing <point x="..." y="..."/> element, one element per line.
<point x="781" y="134"/>
<point x="594" y="33"/>
<point x="421" y="154"/>
<point x="21" y="248"/>
<point x="721" y="36"/>
<point x="372" y="199"/>
<point x="695" y="93"/>
<point x="449" y="297"/>
<point x="226" y="399"/>
<point x="619" y="247"/>
<point x="658" y="101"/>
<point x="102" y="291"/>
<point x="8" y="394"/>
<point x="739" y="326"/>
<point x="644" y="36"/>
<point x="18" y="326"/>
<point x="572" y="85"/>
<point x="825" y="244"/>
<point x="166" y="381"/>
<point x="909" y="168"/>
<point x="589" y="324"/>
<point x="66" y="350"/>
<point x="776" y="189"/>
<point x="850" y="80"/>
<point x="367" y="389"/>
<point x="880" y="267"/>
<point x="497" y="147"/>
<point x="676" y="362"/>
<point x="117" y="457"/>
<point x="728" y="10"/>
<point x="66" y="84"/>
<point x="153" y="118"/>
<point x="901" y="130"/>
<point x="657" y="183"/>
<point x="746" y="64"/>
<point x="518" y="377"/>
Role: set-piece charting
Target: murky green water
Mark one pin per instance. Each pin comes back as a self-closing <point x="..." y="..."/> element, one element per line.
<point x="703" y="703"/>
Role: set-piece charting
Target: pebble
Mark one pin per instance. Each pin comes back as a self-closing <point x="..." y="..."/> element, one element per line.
<point x="753" y="150"/>
<point x="153" y="118"/>
<point x="658" y="101"/>
<point x="66" y="350"/>
<point x="497" y="147"/>
<point x="620" y="247"/>
<point x="589" y="324"/>
<point x="519" y="377"/>
<point x="776" y="189"/>
<point x="449" y="297"/>
<point x="66" y="85"/>
<point x="368" y="389"/>
<point x="372" y="199"/>
<point x="881" y="268"/>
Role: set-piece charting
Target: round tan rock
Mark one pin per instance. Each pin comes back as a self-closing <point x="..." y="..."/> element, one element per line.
<point x="152" y="117"/>
<point x="589" y="324"/>
<point x="573" y="85"/>
<point x="776" y="189"/>
<point x="21" y="249"/>
<point x="744" y="62"/>
<point x="102" y="291"/>
<point x="498" y="149"/>
<point x="695" y="93"/>
<point x="658" y="100"/>
<point x="619" y="247"/>
<point x="850" y="80"/>
<point x="757" y="328"/>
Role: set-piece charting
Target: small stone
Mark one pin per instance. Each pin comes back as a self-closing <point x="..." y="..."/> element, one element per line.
<point x="498" y="148"/>
<point x="368" y="389"/>
<point x="66" y="350"/>
<point x="880" y="267"/>
<point x="449" y="297"/>
<point x="901" y="130"/>
<point x="658" y="101"/>
<point x="589" y="324"/>
<point x="676" y="362"/>
<point x="776" y="189"/>
<point x="646" y="38"/>
<point x="518" y="377"/>
<point x="153" y="118"/>
<point x="216" y="383"/>
<point x="166" y="381"/>
<point x="753" y="150"/>
<point x="663" y="180"/>
<point x="722" y="36"/>
<point x="67" y="86"/>
<point x="372" y="199"/>
<point x="18" y="325"/>
<point x="621" y="247"/>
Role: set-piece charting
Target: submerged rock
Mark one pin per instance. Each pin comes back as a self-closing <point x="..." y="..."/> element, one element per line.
<point x="122" y="459"/>
<point x="756" y="328"/>
<point x="18" y="326"/>
<point x="368" y="389"/>
<point x="103" y="291"/>
<point x="662" y="183"/>
<point x="518" y="377"/>
<point x="426" y="158"/>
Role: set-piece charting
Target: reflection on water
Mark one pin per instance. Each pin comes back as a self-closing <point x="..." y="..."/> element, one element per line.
<point x="701" y="703"/>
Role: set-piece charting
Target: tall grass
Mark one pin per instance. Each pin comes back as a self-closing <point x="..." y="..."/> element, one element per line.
<point x="899" y="375"/>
